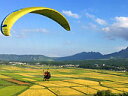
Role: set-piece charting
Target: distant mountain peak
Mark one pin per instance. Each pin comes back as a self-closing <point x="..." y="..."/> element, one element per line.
<point x="126" y="48"/>
<point x="83" y="56"/>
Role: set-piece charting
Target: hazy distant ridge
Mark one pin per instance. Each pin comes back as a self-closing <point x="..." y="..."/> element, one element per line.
<point x="80" y="56"/>
<point x="10" y="57"/>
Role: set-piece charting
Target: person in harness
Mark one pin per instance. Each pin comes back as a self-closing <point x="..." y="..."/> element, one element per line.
<point x="47" y="76"/>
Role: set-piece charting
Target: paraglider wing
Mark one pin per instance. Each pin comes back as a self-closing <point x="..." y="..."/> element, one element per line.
<point x="48" y="12"/>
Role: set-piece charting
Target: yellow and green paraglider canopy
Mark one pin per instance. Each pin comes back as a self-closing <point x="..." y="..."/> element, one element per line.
<point x="9" y="21"/>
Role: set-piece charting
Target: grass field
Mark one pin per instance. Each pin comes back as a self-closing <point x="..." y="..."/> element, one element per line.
<point x="28" y="81"/>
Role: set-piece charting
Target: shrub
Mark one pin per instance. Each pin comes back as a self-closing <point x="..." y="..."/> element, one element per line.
<point x="104" y="93"/>
<point x="109" y="93"/>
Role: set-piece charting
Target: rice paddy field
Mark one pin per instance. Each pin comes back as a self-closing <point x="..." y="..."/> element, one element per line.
<point x="28" y="81"/>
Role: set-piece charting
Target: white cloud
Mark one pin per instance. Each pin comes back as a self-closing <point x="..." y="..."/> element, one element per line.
<point x="36" y="30"/>
<point x="120" y="48"/>
<point x="90" y="15"/>
<point x="118" y="29"/>
<point x="71" y="14"/>
<point x="121" y="22"/>
<point x="101" y="21"/>
<point x="21" y="33"/>
<point x="17" y="34"/>
<point x="90" y="26"/>
<point x="96" y="19"/>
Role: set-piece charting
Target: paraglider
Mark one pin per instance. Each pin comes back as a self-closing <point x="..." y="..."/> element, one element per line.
<point x="47" y="75"/>
<point x="9" y="21"/>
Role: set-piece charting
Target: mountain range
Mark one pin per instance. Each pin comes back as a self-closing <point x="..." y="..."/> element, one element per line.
<point x="96" y="55"/>
<point x="21" y="58"/>
<point x="80" y="56"/>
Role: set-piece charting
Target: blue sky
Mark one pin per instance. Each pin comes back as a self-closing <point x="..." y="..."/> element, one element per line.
<point x="96" y="25"/>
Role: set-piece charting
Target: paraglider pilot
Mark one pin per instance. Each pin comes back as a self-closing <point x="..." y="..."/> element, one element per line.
<point x="47" y="76"/>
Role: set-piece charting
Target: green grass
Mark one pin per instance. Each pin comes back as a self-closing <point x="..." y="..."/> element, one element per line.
<point x="11" y="90"/>
<point x="38" y="78"/>
<point x="116" y="73"/>
<point x="5" y="83"/>
<point x="92" y="79"/>
<point x="13" y="75"/>
<point x="2" y="87"/>
<point x="59" y="78"/>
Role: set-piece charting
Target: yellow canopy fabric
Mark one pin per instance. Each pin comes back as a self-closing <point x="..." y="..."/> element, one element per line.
<point x="48" y="12"/>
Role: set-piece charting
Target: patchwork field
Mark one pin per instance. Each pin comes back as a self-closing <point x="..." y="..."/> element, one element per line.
<point x="28" y="81"/>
